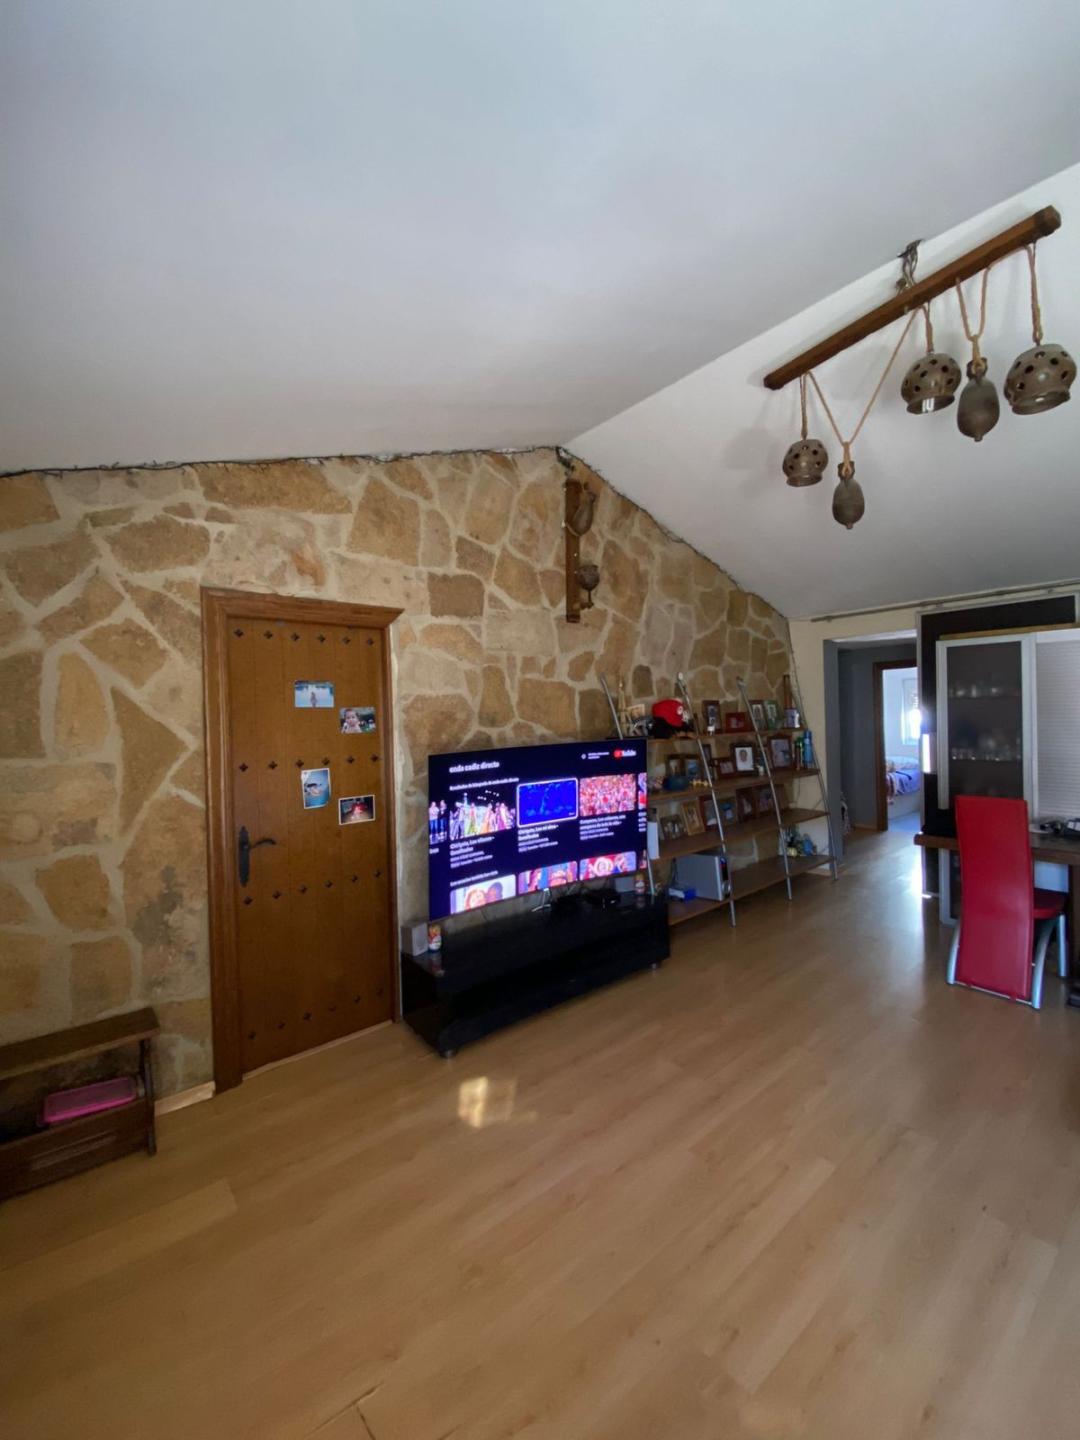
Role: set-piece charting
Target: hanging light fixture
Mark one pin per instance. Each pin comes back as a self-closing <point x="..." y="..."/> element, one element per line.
<point x="931" y="383"/>
<point x="805" y="460"/>
<point x="848" y="501"/>
<point x="1041" y="377"/>
<point x="979" y="408"/>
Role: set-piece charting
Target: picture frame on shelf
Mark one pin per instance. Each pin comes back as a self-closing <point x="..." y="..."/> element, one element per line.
<point x="692" y="818"/>
<point x="736" y="722"/>
<point x="780" y="752"/>
<point x="757" y="714"/>
<point x="710" y="716"/>
<point x="745" y="806"/>
<point x="727" y="812"/>
<point x="792" y="718"/>
<point x="674" y="765"/>
<point x="725" y="766"/>
<point x="671" y="826"/>
<point x="692" y="769"/>
<point x="708" y="813"/>
<point x="743" y="756"/>
<point x="774" y="718"/>
<point x="763" y="800"/>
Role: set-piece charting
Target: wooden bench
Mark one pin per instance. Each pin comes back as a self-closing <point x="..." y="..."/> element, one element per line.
<point x="49" y="1154"/>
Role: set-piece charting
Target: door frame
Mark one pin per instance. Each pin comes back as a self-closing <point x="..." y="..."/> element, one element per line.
<point x="880" y="666"/>
<point x="219" y="609"/>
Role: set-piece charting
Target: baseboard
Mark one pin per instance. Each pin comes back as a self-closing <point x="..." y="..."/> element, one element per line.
<point x="318" y="1049"/>
<point x="183" y="1098"/>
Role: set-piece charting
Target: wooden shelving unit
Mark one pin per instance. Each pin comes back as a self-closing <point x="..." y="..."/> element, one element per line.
<point x="761" y="873"/>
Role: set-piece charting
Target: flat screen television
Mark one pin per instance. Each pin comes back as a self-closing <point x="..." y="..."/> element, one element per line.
<point x="503" y="823"/>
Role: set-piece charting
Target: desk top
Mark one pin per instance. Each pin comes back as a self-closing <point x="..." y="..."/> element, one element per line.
<point x="1043" y="847"/>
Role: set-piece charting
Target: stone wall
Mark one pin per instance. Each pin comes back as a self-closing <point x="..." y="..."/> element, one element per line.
<point x="102" y="858"/>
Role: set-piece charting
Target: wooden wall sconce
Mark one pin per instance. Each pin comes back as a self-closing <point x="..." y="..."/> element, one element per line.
<point x="581" y="579"/>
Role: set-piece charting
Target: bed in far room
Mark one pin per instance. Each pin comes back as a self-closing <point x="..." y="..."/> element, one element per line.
<point x="903" y="782"/>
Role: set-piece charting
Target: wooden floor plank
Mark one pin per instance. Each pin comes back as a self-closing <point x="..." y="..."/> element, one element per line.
<point x="789" y="1187"/>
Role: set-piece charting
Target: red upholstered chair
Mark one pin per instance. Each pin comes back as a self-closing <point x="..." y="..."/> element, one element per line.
<point x="995" y="947"/>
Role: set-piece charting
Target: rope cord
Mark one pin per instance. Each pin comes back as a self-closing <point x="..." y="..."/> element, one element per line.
<point x="802" y="405"/>
<point x="928" y="326"/>
<point x="976" y="353"/>
<point x="847" y="444"/>
<point x="1036" y="313"/>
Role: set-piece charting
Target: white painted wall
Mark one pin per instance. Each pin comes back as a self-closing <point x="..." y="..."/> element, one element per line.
<point x="892" y="697"/>
<point x="943" y="515"/>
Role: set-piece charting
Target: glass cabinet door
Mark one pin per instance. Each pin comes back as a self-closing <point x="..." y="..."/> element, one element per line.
<point x="982" y="730"/>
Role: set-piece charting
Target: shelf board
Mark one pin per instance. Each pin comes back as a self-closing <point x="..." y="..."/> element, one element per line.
<point x="752" y="878"/>
<point x="736" y="830"/>
<point x="728" y="785"/>
<point x="689" y="845"/>
<point x="761" y="823"/>
<point x="680" y="910"/>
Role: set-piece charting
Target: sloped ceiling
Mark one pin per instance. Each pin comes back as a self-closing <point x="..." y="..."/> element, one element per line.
<point x="250" y="228"/>
<point x="944" y="515"/>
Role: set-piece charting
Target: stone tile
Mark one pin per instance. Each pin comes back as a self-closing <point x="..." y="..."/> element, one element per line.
<point x="164" y="878"/>
<point x="386" y="524"/>
<point x="496" y="706"/>
<point x="148" y="751"/>
<point x="96" y="602"/>
<point x="459" y="640"/>
<point x="20" y="707"/>
<point x="293" y="485"/>
<point x="49" y="807"/>
<point x="12" y="624"/>
<point x="475" y="558"/>
<point x="406" y="474"/>
<point x="522" y="632"/>
<point x="434" y="722"/>
<point x="80" y="716"/>
<point x="175" y="623"/>
<point x="548" y="704"/>
<point x="163" y="543"/>
<point x="517" y="579"/>
<point x="191" y="775"/>
<point x="76" y="890"/>
<point x="96" y="489"/>
<point x="455" y="595"/>
<point x="434" y="540"/>
<point x="39" y="571"/>
<point x="25" y="500"/>
<point x="368" y="581"/>
<point x="129" y="648"/>
<point x="22" y="982"/>
<point x="487" y="516"/>
<point x="100" y="977"/>
<point x="15" y="909"/>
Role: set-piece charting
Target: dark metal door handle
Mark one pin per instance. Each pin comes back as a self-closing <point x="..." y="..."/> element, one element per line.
<point x="244" y="847"/>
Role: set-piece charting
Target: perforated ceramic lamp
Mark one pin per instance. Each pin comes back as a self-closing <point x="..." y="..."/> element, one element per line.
<point x="805" y="461"/>
<point x="1039" y="379"/>
<point x="931" y="383"/>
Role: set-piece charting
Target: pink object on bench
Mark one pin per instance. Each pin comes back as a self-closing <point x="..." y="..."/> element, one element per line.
<point x="88" y="1099"/>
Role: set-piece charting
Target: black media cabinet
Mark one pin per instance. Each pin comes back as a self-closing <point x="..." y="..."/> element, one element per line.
<point x="490" y="974"/>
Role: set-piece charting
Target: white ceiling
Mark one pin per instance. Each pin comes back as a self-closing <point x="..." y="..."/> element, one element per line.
<point x="250" y="228"/>
<point x="944" y="516"/>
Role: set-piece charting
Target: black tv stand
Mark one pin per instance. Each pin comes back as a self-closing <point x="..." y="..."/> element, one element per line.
<point x="491" y="974"/>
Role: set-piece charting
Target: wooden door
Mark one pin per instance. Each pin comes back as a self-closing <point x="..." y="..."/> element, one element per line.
<point x="301" y="800"/>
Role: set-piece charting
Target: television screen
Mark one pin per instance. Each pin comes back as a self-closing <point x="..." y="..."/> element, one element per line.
<point x="508" y="822"/>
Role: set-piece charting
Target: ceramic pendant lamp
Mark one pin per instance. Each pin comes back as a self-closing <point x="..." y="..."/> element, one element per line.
<point x="931" y="383"/>
<point x="805" y="460"/>
<point x="1040" y="378"/>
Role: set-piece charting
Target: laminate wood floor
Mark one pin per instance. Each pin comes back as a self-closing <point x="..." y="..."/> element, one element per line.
<point x="790" y="1185"/>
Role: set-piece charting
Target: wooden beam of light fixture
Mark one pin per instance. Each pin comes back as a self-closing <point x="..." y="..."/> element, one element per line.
<point x="1026" y="232"/>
